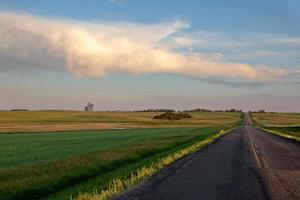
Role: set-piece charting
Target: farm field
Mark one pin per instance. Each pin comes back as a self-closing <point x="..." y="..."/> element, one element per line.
<point x="57" y="165"/>
<point x="43" y="121"/>
<point x="285" y="123"/>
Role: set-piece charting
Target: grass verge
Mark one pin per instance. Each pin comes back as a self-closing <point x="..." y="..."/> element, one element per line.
<point x="282" y="134"/>
<point x="116" y="186"/>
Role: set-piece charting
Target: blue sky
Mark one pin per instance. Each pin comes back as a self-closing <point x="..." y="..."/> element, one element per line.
<point x="127" y="54"/>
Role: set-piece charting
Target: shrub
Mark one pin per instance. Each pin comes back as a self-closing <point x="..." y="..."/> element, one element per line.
<point x="172" y="116"/>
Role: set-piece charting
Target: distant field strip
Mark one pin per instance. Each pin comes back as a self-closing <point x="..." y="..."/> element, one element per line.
<point x="277" y="119"/>
<point x="45" y="121"/>
<point x="286" y="125"/>
<point x="37" y="165"/>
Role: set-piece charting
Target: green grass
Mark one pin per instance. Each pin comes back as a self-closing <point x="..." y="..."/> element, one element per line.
<point x="285" y="134"/>
<point x="30" y="148"/>
<point x="294" y="131"/>
<point x="37" y="165"/>
<point x="286" y="125"/>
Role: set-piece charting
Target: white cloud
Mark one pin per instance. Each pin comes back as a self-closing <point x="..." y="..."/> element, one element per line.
<point x="269" y="53"/>
<point x="283" y="40"/>
<point x="218" y="40"/>
<point x="95" y="49"/>
<point x="115" y="1"/>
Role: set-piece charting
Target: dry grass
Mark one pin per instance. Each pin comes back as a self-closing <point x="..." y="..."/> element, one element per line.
<point x="277" y="119"/>
<point x="45" y="121"/>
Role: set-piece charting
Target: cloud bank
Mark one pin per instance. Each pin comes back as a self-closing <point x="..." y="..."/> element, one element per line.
<point x="96" y="49"/>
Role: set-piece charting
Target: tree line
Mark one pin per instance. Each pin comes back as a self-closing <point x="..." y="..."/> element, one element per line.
<point x="191" y="110"/>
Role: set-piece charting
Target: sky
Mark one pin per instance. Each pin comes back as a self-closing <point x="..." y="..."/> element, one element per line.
<point x="132" y="55"/>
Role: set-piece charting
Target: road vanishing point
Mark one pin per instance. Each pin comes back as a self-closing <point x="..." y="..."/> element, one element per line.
<point x="244" y="164"/>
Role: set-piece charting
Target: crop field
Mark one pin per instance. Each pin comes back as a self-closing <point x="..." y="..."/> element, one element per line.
<point x="280" y="123"/>
<point x="38" y="121"/>
<point x="57" y="165"/>
<point x="277" y="119"/>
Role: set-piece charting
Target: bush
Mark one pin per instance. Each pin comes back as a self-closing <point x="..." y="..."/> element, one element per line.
<point x="172" y="116"/>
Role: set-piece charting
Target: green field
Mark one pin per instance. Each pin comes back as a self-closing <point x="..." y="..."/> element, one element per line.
<point x="279" y="123"/>
<point x="56" y="165"/>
